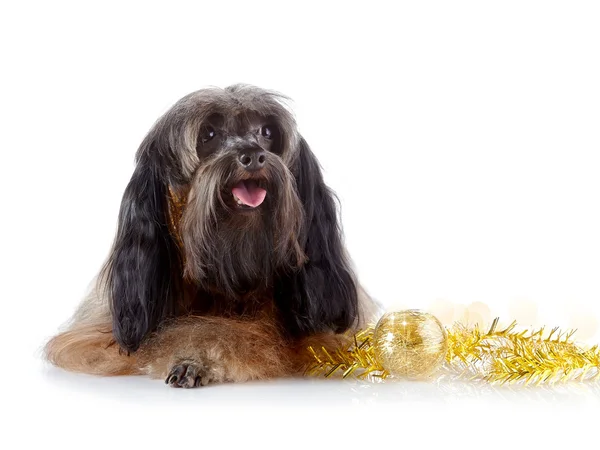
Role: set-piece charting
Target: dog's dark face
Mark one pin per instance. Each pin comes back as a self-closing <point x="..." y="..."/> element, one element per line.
<point x="257" y="218"/>
<point x="243" y="218"/>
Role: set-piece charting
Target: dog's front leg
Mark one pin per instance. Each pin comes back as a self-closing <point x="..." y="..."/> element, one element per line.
<point x="195" y="351"/>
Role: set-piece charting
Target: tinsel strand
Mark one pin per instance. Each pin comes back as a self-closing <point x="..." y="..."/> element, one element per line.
<point x="355" y="359"/>
<point x="508" y="356"/>
<point x="496" y="356"/>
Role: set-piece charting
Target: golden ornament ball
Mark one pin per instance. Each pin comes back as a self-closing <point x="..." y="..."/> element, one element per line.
<point x="410" y="343"/>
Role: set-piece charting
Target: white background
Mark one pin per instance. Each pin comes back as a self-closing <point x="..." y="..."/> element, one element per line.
<point x="461" y="137"/>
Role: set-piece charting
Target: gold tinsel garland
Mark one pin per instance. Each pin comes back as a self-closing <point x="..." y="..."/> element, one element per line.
<point x="495" y="356"/>
<point x="508" y="356"/>
<point x="357" y="359"/>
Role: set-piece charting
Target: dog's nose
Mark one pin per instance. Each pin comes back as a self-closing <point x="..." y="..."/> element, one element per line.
<point x="252" y="159"/>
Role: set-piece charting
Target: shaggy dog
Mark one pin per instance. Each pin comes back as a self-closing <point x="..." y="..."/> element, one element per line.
<point x="228" y="259"/>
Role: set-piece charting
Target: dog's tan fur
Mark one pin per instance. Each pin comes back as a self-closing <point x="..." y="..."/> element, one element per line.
<point x="232" y="350"/>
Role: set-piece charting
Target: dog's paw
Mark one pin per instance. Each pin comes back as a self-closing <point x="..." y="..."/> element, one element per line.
<point x="189" y="374"/>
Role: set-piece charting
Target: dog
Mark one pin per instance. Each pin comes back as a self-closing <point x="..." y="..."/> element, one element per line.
<point x="228" y="259"/>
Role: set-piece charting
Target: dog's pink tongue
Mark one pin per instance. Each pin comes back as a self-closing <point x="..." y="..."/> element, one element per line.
<point x="249" y="193"/>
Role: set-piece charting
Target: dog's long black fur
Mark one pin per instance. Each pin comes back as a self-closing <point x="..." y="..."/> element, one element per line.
<point x="322" y="295"/>
<point x="144" y="275"/>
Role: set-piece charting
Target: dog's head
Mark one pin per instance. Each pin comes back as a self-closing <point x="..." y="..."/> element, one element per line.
<point x="227" y="196"/>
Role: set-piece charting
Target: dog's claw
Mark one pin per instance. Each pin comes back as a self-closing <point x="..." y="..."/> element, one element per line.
<point x="188" y="375"/>
<point x="176" y="373"/>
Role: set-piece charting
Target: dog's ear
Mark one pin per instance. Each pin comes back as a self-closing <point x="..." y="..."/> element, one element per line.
<point x="142" y="274"/>
<point x="322" y="295"/>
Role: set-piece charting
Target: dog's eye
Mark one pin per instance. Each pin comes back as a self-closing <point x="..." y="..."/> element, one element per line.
<point x="266" y="132"/>
<point x="207" y="134"/>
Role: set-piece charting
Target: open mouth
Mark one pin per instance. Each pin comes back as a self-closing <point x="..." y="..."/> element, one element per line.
<point x="249" y="194"/>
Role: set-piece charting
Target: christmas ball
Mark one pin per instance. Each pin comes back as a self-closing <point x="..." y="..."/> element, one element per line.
<point x="410" y="344"/>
